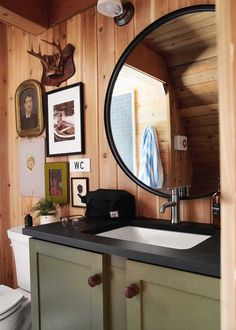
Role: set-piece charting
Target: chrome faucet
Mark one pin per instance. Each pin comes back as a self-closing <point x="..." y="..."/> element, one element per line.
<point x="174" y="204"/>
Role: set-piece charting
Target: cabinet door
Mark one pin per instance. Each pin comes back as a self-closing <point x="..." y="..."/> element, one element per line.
<point x="171" y="299"/>
<point x="116" y="308"/>
<point x="61" y="296"/>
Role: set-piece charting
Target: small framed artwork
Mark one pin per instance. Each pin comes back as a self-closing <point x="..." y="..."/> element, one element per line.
<point x="29" y="109"/>
<point x="79" y="186"/>
<point x="31" y="160"/>
<point x="56" y="182"/>
<point x="65" y="120"/>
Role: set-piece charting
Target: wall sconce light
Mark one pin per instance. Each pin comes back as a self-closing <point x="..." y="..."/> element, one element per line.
<point x="122" y="13"/>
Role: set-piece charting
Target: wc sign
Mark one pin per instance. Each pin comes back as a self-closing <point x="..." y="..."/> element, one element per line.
<point x="80" y="165"/>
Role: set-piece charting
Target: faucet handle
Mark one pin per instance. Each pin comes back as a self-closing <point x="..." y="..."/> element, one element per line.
<point x="174" y="190"/>
<point x="181" y="191"/>
<point x="184" y="191"/>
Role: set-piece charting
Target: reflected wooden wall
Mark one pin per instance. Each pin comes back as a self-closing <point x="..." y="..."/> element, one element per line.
<point x="98" y="45"/>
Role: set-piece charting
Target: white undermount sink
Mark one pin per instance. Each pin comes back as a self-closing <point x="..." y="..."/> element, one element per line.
<point x="165" y="238"/>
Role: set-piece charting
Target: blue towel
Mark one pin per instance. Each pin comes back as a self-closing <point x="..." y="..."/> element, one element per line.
<point x="151" y="171"/>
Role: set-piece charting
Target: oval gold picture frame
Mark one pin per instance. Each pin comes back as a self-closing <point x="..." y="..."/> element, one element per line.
<point x="29" y="109"/>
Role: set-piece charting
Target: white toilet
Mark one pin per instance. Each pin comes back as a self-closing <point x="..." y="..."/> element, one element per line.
<point x="15" y="304"/>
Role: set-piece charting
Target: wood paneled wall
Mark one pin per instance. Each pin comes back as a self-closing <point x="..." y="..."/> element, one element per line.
<point x="98" y="45"/>
<point x="5" y="252"/>
<point x="227" y="103"/>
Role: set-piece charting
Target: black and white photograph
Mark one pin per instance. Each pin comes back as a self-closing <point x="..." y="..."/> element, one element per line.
<point x="65" y="127"/>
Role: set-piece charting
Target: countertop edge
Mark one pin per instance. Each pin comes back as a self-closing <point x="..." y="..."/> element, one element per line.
<point x="186" y="261"/>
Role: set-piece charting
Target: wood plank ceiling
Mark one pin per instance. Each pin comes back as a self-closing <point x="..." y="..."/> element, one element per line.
<point x="188" y="46"/>
<point x="35" y="16"/>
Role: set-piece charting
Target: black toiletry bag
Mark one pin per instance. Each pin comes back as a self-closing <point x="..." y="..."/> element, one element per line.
<point x="109" y="203"/>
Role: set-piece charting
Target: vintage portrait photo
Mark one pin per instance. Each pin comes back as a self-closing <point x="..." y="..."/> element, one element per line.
<point x="29" y="109"/>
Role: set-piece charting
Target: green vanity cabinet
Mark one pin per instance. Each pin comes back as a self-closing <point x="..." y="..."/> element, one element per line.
<point x="171" y="300"/>
<point x="167" y="299"/>
<point x="116" y="308"/>
<point x="61" y="296"/>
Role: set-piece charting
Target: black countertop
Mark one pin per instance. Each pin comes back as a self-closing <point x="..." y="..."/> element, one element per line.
<point x="203" y="259"/>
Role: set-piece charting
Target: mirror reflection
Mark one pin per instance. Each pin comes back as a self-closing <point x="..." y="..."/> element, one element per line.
<point x="164" y="107"/>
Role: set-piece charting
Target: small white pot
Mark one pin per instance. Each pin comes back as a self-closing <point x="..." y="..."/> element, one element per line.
<point x="44" y="219"/>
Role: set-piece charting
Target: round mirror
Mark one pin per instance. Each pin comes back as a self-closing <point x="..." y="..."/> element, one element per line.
<point x="161" y="108"/>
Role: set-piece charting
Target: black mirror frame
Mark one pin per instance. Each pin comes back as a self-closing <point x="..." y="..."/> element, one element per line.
<point x="115" y="73"/>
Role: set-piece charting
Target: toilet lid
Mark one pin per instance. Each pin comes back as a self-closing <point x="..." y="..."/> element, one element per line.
<point x="10" y="300"/>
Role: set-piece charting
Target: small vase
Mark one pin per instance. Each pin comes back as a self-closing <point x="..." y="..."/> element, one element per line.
<point x="44" y="219"/>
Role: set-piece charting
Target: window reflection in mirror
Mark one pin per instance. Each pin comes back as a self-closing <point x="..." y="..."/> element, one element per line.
<point x="149" y="108"/>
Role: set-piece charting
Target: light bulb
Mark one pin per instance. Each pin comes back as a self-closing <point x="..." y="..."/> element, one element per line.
<point x="111" y="8"/>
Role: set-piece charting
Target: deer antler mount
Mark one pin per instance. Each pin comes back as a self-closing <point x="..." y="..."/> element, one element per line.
<point x="57" y="67"/>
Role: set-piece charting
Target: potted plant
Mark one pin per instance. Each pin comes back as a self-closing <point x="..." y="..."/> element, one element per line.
<point x="46" y="211"/>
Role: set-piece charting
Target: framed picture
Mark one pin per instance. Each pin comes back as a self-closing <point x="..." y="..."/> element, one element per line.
<point x="29" y="109"/>
<point x="56" y="182"/>
<point x="31" y="160"/>
<point x="65" y="120"/>
<point x="79" y="186"/>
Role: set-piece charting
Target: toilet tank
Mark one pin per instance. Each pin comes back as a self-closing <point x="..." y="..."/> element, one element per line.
<point x="20" y="245"/>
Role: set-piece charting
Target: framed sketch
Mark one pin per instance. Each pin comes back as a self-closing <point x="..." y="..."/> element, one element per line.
<point x="65" y="120"/>
<point x="56" y="182"/>
<point x="29" y="109"/>
<point x="31" y="160"/>
<point x="79" y="186"/>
